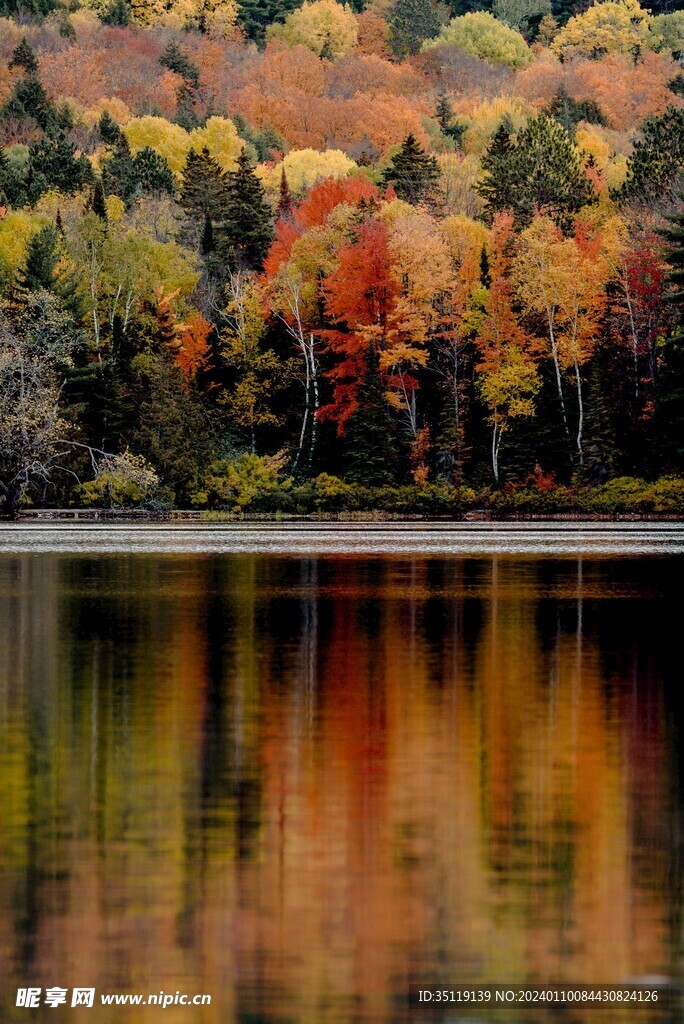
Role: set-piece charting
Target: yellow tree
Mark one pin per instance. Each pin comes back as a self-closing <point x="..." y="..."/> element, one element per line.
<point x="508" y="380"/>
<point x="422" y="268"/>
<point x="303" y="168"/>
<point x="564" y="281"/>
<point x="467" y="241"/>
<point x="328" y="28"/>
<point x="295" y="298"/>
<point x="508" y="389"/>
<point x="615" y="26"/>
<point x="259" y="370"/>
<point x="215" y="16"/>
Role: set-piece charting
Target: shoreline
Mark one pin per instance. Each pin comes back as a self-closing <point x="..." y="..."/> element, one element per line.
<point x="93" y="515"/>
<point x="351" y="539"/>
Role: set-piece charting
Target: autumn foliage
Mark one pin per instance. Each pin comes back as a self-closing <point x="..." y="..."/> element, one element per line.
<point x="286" y="231"/>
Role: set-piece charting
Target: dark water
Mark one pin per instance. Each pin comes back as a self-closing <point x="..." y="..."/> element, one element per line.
<point x="301" y="784"/>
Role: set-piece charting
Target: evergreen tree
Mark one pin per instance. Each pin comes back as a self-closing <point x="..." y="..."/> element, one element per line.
<point x="369" y="439"/>
<point x="172" y="431"/>
<point x="266" y="142"/>
<point x="656" y="165"/>
<point x="485" y="276"/>
<point x="412" y="172"/>
<point x="207" y="245"/>
<point x="29" y="101"/>
<point x="203" y="193"/>
<point x="676" y="84"/>
<point x="151" y="172"/>
<point x="24" y="57"/>
<point x="53" y="164"/>
<point x="118" y="171"/>
<point x="40" y="271"/>
<point x="254" y="16"/>
<point x="246" y="231"/>
<point x="10" y="181"/>
<point x="109" y="131"/>
<point x="285" y="204"/>
<point x="118" y="14"/>
<point x="177" y="60"/>
<point x="498" y="167"/>
<point x="600" y="449"/>
<point x="444" y="116"/>
<point x="569" y="112"/>
<point x="40" y="265"/>
<point x="98" y="203"/>
<point x="411" y="23"/>
<point x="541" y="170"/>
<point x="35" y="9"/>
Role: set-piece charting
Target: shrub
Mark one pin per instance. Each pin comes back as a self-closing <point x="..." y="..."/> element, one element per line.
<point x="667" y="495"/>
<point x="241" y="483"/>
<point x="121" y="481"/>
<point x="623" y="494"/>
<point x="334" y="495"/>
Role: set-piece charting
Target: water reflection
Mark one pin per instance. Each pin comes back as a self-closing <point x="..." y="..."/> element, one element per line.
<point x="300" y="784"/>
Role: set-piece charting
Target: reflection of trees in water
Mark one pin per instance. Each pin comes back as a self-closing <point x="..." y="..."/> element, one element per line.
<point x="307" y="780"/>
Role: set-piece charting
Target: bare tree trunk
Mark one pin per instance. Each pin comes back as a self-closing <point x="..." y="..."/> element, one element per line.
<point x="635" y="340"/>
<point x="305" y="417"/>
<point x="495" y="450"/>
<point x="314" y="422"/>
<point x="580" y="408"/>
<point x="559" y="382"/>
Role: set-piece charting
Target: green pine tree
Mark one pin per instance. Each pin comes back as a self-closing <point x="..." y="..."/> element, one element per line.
<point x="444" y="115"/>
<point x="569" y="111"/>
<point x="412" y="172"/>
<point x="176" y="59"/>
<point x="53" y="164"/>
<point x="35" y="9"/>
<point x="285" y="204"/>
<point x="207" y="246"/>
<point x="28" y="101"/>
<point x="118" y="14"/>
<point x="24" y="57"/>
<point x="40" y="265"/>
<point x="655" y="167"/>
<point x="203" y="192"/>
<point x="118" y="170"/>
<point x="369" y="440"/>
<point x="254" y="16"/>
<point x="10" y="181"/>
<point x="600" y="448"/>
<point x="246" y="231"/>
<point x="485" y="276"/>
<point x="541" y="170"/>
<point x="98" y="203"/>
<point x="266" y="142"/>
<point x="151" y="172"/>
<point x="40" y="272"/>
<point x="411" y="23"/>
<point x="109" y="131"/>
<point x="497" y="167"/>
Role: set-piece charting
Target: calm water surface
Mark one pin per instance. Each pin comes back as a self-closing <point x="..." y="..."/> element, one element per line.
<point x="300" y="784"/>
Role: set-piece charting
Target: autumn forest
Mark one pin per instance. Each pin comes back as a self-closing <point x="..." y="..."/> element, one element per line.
<point x="283" y="257"/>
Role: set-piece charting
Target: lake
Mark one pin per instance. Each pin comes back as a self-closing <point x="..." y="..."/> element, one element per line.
<point x="237" y="761"/>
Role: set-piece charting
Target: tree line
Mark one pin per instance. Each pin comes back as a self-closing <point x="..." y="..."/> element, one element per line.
<point x="191" y="319"/>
